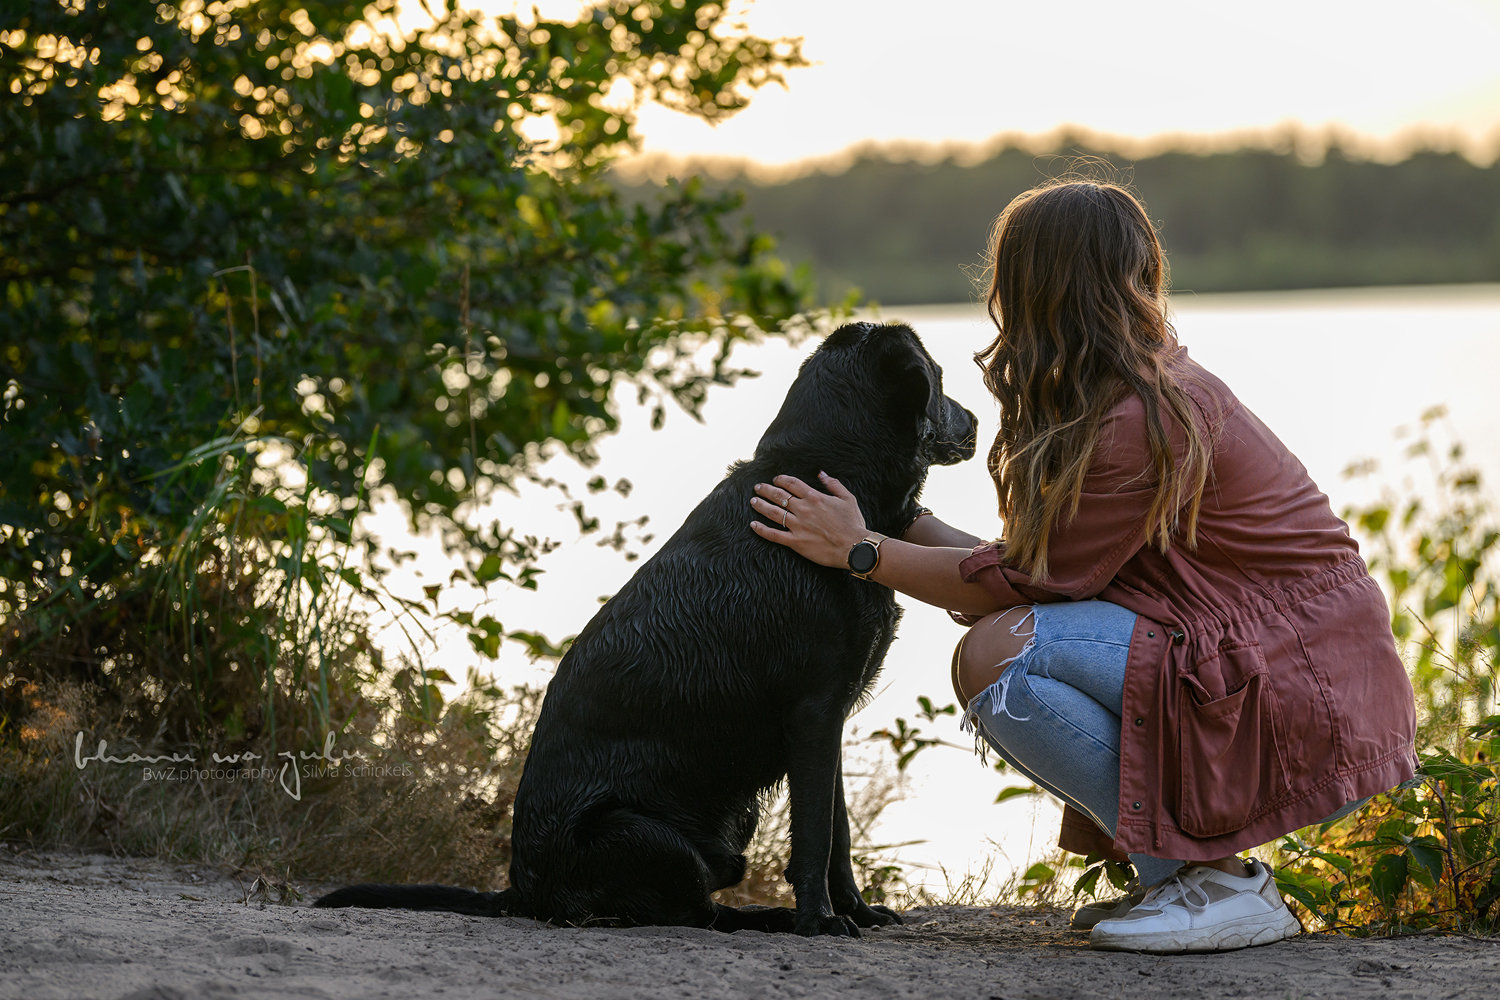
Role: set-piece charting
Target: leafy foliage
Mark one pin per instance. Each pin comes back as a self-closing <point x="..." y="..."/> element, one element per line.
<point x="1036" y="878"/>
<point x="263" y="259"/>
<point x="906" y="741"/>
<point x="1095" y="866"/>
<point x="1426" y="855"/>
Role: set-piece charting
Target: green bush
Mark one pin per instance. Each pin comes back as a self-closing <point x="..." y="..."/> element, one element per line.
<point x="1427" y="855"/>
<point x="264" y="261"/>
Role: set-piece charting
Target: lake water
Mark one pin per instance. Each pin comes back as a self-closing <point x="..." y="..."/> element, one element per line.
<point x="1334" y="374"/>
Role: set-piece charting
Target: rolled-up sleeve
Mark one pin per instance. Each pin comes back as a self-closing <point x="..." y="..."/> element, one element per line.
<point x="1085" y="551"/>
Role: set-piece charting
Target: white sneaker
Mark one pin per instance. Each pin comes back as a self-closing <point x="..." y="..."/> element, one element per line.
<point x="1202" y="909"/>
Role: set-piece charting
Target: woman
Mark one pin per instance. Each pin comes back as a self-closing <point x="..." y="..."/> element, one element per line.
<point x="1176" y="637"/>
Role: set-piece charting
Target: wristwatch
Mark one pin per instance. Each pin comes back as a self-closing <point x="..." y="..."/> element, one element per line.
<point x="864" y="555"/>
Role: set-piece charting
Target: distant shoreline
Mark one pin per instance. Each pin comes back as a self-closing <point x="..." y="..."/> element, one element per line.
<point x="1230" y="220"/>
<point x="1476" y="292"/>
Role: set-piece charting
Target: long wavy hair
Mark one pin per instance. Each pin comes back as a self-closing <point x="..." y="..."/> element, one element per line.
<point x="1078" y="295"/>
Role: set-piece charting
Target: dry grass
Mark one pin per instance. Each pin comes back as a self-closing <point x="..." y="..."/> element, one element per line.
<point x="439" y="811"/>
<point x="424" y="803"/>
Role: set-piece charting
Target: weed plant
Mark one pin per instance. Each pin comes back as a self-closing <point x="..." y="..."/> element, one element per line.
<point x="1426" y="856"/>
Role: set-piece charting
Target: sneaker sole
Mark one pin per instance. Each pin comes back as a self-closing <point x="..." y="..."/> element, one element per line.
<point x="1247" y="932"/>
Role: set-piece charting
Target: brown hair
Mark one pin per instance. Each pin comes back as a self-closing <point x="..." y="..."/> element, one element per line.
<point x="1078" y="294"/>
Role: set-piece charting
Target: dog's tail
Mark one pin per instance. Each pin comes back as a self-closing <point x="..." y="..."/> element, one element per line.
<point x="447" y="898"/>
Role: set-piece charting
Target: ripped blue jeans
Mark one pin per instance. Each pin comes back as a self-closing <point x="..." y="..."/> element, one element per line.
<point x="1054" y="713"/>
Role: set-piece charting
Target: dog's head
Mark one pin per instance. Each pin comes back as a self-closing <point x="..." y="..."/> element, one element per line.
<point x="909" y="385"/>
<point x="877" y="372"/>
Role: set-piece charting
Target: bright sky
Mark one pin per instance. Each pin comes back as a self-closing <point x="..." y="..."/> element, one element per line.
<point x="964" y="71"/>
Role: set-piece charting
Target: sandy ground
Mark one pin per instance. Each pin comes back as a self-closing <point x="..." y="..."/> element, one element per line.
<point x="82" y="927"/>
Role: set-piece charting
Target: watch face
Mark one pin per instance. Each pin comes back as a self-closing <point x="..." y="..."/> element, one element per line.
<point x="863" y="556"/>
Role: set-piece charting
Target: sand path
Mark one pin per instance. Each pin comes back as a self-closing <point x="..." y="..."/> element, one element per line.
<point x="85" y="927"/>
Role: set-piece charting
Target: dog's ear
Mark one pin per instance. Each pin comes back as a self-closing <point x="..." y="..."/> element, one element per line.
<point x="911" y="385"/>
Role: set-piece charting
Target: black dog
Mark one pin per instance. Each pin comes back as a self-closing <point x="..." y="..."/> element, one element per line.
<point x="725" y="665"/>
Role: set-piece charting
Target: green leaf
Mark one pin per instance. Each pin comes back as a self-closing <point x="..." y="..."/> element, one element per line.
<point x="1119" y="875"/>
<point x="489" y="568"/>
<point x="1395" y="831"/>
<point x="1343" y="864"/>
<point x="1087" y="882"/>
<point x="1035" y="877"/>
<point x="1388" y="877"/>
<point x="1301" y="895"/>
<point x="1488" y="895"/>
<point x="486" y="644"/>
<point x="1428" y="854"/>
<point x="539" y="647"/>
<point x="930" y="713"/>
<point x="1016" y="791"/>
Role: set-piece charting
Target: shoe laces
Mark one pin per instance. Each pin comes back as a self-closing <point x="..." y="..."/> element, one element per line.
<point x="1178" y="888"/>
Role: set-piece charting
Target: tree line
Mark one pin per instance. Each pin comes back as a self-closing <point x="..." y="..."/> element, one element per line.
<point x="1241" y="220"/>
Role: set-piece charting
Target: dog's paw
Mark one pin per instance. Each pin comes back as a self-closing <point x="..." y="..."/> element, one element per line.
<point x="836" y="924"/>
<point x="876" y="916"/>
<point x="865" y="915"/>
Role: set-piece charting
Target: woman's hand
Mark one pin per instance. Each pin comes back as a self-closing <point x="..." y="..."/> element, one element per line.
<point x="819" y="526"/>
<point x="823" y="527"/>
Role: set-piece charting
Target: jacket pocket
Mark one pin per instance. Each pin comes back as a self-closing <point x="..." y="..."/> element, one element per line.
<point x="1231" y="763"/>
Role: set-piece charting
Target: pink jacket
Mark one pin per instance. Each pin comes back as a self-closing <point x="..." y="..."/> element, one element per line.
<point x="1263" y="689"/>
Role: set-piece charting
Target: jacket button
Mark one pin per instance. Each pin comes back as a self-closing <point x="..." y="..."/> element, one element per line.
<point x="1140" y="722"/>
<point x="1179" y="637"/>
<point x="1150" y="635"/>
<point x="1135" y="805"/>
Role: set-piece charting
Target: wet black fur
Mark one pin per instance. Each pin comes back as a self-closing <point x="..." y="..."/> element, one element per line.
<point x="725" y="665"/>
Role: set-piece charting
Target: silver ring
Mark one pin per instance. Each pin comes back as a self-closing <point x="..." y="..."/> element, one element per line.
<point x="783" y="518"/>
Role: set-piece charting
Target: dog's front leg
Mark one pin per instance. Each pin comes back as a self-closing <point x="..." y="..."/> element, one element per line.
<point x="841" y="885"/>
<point x="813" y="777"/>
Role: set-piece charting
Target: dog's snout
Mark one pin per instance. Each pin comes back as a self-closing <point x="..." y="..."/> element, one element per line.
<point x="954" y="440"/>
<point x="971" y="433"/>
<point x="959" y="437"/>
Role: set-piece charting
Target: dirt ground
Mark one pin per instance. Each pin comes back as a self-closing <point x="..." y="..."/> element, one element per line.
<point x="78" y="927"/>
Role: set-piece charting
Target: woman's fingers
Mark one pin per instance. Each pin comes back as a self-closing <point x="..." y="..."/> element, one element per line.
<point x="775" y="511"/>
<point x="836" y="488"/>
<point x="769" y="533"/>
<point x="784" y="489"/>
<point x="793" y="486"/>
<point x="817" y="525"/>
<point x="774" y="494"/>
